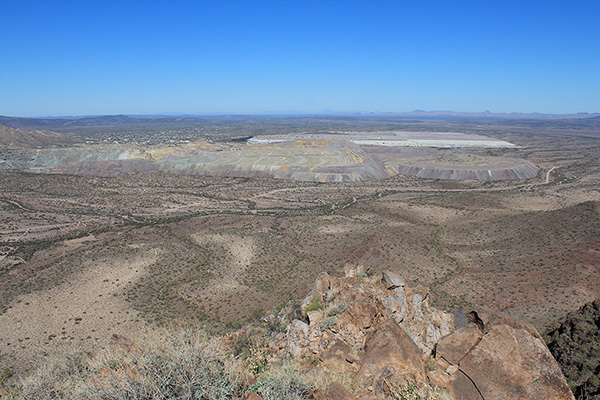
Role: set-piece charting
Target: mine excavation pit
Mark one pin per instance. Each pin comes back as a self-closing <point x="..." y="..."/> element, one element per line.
<point x="330" y="157"/>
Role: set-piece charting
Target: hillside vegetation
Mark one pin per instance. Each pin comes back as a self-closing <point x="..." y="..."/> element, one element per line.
<point x="575" y="343"/>
<point x="10" y="137"/>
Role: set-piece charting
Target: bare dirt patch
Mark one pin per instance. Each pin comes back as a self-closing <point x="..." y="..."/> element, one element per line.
<point x="78" y="314"/>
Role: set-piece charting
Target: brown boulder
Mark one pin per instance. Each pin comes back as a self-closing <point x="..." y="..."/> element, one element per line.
<point x="463" y="388"/>
<point x="391" y="352"/>
<point x="512" y="363"/>
<point x="454" y="347"/>
<point x="453" y="380"/>
<point x="334" y="391"/>
<point x="364" y="312"/>
<point x="340" y="357"/>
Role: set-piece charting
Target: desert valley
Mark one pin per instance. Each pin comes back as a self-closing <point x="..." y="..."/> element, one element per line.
<point x="119" y="225"/>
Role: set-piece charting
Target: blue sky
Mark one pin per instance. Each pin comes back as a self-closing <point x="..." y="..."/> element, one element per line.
<point x="149" y="57"/>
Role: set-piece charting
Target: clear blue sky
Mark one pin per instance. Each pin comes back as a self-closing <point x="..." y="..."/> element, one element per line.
<point x="144" y="57"/>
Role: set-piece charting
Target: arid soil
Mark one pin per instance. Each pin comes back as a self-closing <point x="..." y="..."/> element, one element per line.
<point x="84" y="257"/>
<point x="75" y="314"/>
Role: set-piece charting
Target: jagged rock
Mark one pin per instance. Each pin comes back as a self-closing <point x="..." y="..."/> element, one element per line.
<point x="432" y="335"/>
<point x="442" y="321"/>
<point x="400" y="305"/>
<point x="498" y="358"/>
<point x="324" y="282"/>
<point x="340" y="358"/>
<point x="397" y="331"/>
<point x="364" y="312"/>
<point x="297" y="337"/>
<point x="391" y="280"/>
<point x="315" y="316"/>
<point x="390" y="350"/>
<point x="417" y="303"/>
<point x="510" y="362"/>
<point x="454" y="347"/>
<point x="334" y="391"/>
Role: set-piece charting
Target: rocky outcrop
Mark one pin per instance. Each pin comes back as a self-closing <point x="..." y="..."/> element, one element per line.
<point x="390" y="354"/>
<point x="575" y="343"/>
<point x="385" y="335"/>
<point x="297" y="337"/>
<point x="501" y="358"/>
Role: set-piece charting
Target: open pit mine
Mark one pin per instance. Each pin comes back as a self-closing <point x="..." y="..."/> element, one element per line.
<point x="328" y="157"/>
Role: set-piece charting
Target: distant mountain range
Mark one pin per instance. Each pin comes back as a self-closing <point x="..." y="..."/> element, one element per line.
<point x="488" y="114"/>
<point x="123" y="122"/>
<point x="65" y="124"/>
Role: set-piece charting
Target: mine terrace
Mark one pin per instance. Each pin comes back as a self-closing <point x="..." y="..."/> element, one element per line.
<point x="324" y="157"/>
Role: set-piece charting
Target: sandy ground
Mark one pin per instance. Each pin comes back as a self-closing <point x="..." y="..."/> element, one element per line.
<point x="77" y="315"/>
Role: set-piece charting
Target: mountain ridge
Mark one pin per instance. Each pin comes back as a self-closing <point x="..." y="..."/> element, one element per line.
<point x="11" y="137"/>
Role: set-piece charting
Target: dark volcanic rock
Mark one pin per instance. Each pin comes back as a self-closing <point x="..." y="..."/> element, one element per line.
<point x="575" y="344"/>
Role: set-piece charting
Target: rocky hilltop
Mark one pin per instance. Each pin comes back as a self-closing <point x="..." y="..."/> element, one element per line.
<point x="358" y="337"/>
<point x="383" y="335"/>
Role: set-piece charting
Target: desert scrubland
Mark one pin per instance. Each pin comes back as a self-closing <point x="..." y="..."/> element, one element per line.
<point x="86" y="255"/>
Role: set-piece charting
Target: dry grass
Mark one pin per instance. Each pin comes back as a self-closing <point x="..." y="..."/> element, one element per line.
<point x="178" y="365"/>
<point x="183" y="365"/>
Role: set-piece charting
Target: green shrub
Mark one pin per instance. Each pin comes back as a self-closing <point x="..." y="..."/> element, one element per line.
<point x="336" y="309"/>
<point x="315" y="303"/>
<point x="328" y="323"/>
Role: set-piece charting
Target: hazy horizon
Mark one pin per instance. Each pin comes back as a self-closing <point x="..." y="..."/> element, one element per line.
<point x="432" y="113"/>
